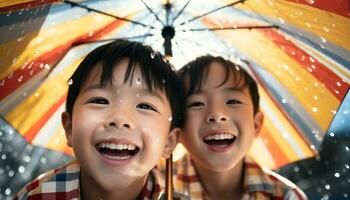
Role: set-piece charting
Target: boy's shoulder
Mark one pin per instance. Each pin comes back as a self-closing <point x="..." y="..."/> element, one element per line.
<point x="263" y="180"/>
<point x="258" y="181"/>
<point x="59" y="183"/>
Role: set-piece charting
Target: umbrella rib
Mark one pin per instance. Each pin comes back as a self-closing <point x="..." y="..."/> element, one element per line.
<point x="149" y="9"/>
<point x="231" y="28"/>
<point x="112" y="39"/>
<point x="207" y="13"/>
<point x="105" y="13"/>
<point x="182" y="9"/>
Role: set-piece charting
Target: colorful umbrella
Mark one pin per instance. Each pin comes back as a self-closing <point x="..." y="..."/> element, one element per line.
<point x="298" y="51"/>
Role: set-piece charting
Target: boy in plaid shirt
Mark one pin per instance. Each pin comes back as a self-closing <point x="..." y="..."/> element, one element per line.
<point x="222" y="120"/>
<point x="123" y="113"/>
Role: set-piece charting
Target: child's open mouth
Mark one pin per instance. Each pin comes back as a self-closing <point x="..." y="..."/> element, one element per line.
<point x="117" y="151"/>
<point x="221" y="140"/>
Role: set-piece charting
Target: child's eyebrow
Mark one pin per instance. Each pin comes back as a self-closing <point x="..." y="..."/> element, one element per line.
<point x="142" y="92"/>
<point x="147" y="92"/>
<point x="92" y="87"/>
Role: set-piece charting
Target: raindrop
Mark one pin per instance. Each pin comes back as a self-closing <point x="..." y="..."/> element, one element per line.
<point x="347" y="148"/>
<point x="2" y="82"/>
<point x="138" y="81"/>
<point x="153" y="55"/>
<point x="47" y="66"/>
<point x="43" y="160"/>
<point x="346" y="195"/>
<point x="337" y="174"/>
<point x="333" y="112"/>
<point x="7" y="191"/>
<point x="163" y="81"/>
<point x="284" y="101"/>
<point x="20" y="39"/>
<point x="70" y="82"/>
<point x="41" y="65"/>
<point x="314" y="109"/>
<point x="3" y="156"/>
<point x="323" y="39"/>
<point x="328" y="187"/>
<point x="14" y="60"/>
<point x="27" y="159"/>
<point x="36" y="94"/>
<point x="11" y="173"/>
<point x="316" y="97"/>
<point x="296" y="169"/>
<point x="347" y="166"/>
<point x="326" y="29"/>
<point x="338" y="84"/>
<point x="9" y="13"/>
<point x="311" y="59"/>
<point x="308" y="25"/>
<point x="332" y="134"/>
<point x="310" y="1"/>
<point x="21" y="169"/>
<point x="20" y="79"/>
<point x="312" y="146"/>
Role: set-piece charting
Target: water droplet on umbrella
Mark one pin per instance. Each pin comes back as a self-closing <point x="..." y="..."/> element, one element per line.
<point x="323" y="39"/>
<point x="310" y="1"/>
<point x="70" y="82"/>
<point x="331" y="134"/>
<point x="153" y="54"/>
<point x="47" y="66"/>
<point x="36" y="94"/>
<point x="20" y="79"/>
<point x="3" y="156"/>
<point x="284" y="101"/>
<point x="328" y="187"/>
<point x="296" y="169"/>
<point x="11" y="173"/>
<point x="347" y="148"/>
<point x="21" y="169"/>
<point x="2" y="83"/>
<point x="314" y="109"/>
<point x="7" y="191"/>
<point x="337" y="174"/>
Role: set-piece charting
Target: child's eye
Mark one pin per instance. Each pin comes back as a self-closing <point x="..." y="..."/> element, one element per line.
<point x="195" y="104"/>
<point x="98" y="101"/>
<point x="233" y="101"/>
<point x="146" y="106"/>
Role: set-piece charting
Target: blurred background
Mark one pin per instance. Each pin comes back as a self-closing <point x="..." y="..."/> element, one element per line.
<point x="298" y="51"/>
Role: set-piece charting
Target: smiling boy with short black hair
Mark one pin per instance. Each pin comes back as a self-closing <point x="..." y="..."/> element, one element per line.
<point x="123" y="113"/>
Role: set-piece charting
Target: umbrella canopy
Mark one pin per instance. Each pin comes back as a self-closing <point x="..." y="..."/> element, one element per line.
<point x="298" y="51"/>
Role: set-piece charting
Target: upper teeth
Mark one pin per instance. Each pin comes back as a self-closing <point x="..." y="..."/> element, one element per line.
<point x="117" y="146"/>
<point x="219" y="136"/>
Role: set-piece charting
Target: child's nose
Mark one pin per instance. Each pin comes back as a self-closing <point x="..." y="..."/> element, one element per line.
<point x="216" y="117"/>
<point x="119" y="120"/>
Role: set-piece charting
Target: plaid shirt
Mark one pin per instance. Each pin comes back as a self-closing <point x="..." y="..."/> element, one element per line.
<point x="63" y="183"/>
<point x="259" y="183"/>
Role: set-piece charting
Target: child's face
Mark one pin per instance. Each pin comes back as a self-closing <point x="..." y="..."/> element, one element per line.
<point x="119" y="131"/>
<point x="220" y="123"/>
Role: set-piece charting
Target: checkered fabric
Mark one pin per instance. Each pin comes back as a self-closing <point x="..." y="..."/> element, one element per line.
<point x="259" y="183"/>
<point x="63" y="183"/>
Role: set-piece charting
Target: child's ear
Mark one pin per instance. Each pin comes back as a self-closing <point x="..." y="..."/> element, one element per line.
<point x="171" y="142"/>
<point x="67" y="125"/>
<point x="258" y="121"/>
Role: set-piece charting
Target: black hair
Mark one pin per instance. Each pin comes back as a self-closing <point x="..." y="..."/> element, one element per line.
<point x="158" y="73"/>
<point x="198" y="69"/>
